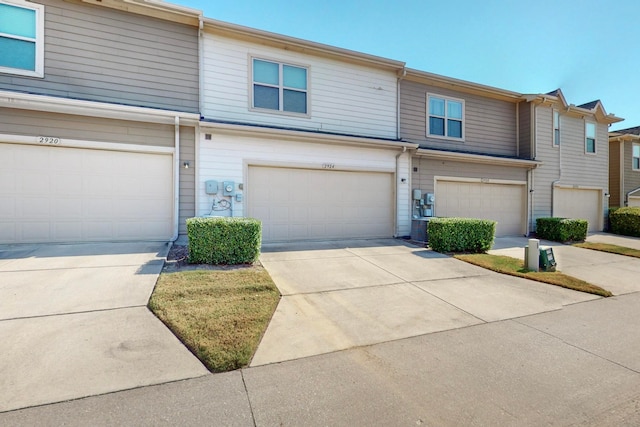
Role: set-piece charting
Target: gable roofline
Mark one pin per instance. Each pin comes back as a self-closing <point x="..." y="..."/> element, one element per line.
<point x="622" y="135"/>
<point x="227" y="29"/>
<point x="153" y="8"/>
<point x="461" y="85"/>
<point x="593" y="109"/>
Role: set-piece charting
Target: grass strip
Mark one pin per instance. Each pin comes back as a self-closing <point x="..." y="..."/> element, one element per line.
<point x="612" y="249"/>
<point x="220" y="315"/>
<point x="515" y="267"/>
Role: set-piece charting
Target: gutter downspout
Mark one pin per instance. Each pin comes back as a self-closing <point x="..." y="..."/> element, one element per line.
<point x="553" y="184"/>
<point x="395" y="205"/>
<point x="400" y="78"/>
<point x="200" y="64"/>
<point x="176" y="181"/>
<point x="532" y="144"/>
<point x="518" y="129"/>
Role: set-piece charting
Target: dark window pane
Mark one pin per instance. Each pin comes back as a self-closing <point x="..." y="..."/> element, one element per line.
<point x="265" y="97"/>
<point x="454" y="128"/>
<point x="556" y="137"/>
<point x="591" y="145"/>
<point x="295" y="101"/>
<point x="436" y="126"/>
<point x="636" y="163"/>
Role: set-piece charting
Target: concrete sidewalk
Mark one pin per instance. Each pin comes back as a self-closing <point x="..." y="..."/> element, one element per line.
<point x="344" y="294"/>
<point x="576" y="366"/>
<point x="74" y="323"/>
<point x="616" y="273"/>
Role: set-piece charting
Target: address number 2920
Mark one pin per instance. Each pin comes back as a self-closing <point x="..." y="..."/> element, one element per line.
<point x="48" y="140"/>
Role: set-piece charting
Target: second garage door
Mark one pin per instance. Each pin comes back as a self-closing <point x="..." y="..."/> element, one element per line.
<point x="504" y="203"/>
<point x="579" y="204"/>
<point x="308" y="204"/>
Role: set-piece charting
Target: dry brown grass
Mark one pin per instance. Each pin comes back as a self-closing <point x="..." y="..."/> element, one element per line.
<point x="612" y="249"/>
<point x="220" y="315"/>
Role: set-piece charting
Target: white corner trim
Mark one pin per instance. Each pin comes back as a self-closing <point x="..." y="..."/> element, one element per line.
<point x="52" y="104"/>
<point x="52" y="141"/>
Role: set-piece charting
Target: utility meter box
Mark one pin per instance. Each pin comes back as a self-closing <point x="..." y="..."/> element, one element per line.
<point x="547" y="259"/>
<point x="228" y="188"/>
<point x="211" y="187"/>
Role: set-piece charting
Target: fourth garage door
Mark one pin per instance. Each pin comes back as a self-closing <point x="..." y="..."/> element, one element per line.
<point x="504" y="203"/>
<point x="308" y="204"/>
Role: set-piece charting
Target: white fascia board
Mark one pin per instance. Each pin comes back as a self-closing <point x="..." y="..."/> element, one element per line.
<point x="25" y="101"/>
<point x="303" y="136"/>
<point x="477" y="158"/>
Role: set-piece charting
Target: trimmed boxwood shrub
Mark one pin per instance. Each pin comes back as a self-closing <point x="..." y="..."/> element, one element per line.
<point x="222" y="240"/>
<point x="626" y="221"/>
<point x="562" y="229"/>
<point x="461" y="234"/>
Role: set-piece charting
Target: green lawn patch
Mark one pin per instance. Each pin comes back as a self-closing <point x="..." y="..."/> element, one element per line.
<point x="613" y="249"/>
<point x="220" y="315"/>
<point x="515" y="267"/>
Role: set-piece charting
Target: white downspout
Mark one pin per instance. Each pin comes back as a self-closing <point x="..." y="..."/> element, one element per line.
<point x="176" y="181"/>
<point x="553" y="184"/>
<point x="395" y="213"/>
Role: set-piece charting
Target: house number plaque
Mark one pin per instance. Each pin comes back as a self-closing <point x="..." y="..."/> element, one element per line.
<point x="328" y="166"/>
<point x="51" y="140"/>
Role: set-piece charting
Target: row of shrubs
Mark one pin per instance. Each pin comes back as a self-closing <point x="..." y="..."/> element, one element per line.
<point x="221" y="240"/>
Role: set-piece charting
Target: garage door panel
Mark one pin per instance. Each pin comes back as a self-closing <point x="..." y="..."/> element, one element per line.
<point x="634" y="201"/>
<point x="503" y="203"/>
<point x="578" y="204"/>
<point x="299" y="204"/>
<point x="62" y="194"/>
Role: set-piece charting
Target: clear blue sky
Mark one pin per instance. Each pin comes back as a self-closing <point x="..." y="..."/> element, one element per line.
<point x="588" y="48"/>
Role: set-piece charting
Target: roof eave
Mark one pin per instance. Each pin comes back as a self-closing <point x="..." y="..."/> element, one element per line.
<point x="154" y="8"/>
<point x="299" y="45"/>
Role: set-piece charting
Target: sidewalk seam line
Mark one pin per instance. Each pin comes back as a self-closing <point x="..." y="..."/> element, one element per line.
<point x="246" y="391"/>
<point x="73" y="312"/>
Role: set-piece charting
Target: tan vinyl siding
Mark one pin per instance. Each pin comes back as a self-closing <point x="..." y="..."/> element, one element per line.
<point x="187" y="203"/>
<point x="525" y="130"/>
<point x="35" y="123"/>
<point x="489" y="124"/>
<point x="99" y="54"/>
<point x="631" y="177"/>
<point x="569" y="165"/>
<point x="428" y="169"/>
<point x="614" y="174"/>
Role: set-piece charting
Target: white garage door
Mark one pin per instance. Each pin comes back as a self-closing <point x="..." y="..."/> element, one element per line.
<point x="578" y="204"/>
<point x="504" y="203"/>
<point x="634" y="201"/>
<point x="54" y="194"/>
<point x="303" y="204"/>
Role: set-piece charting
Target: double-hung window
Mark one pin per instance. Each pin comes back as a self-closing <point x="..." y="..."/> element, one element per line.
<point x="21" y="38"/>
<point x="556" y="129"/>
<point x="279" y="87"/>
<point x="445" y="117"/>
<point x="636" y="157"/>
<point x="590" y="138"/>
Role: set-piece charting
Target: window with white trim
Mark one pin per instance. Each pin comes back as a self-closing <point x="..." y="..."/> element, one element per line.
<point x="279" y="86"/>
<point x="21" y="38"/>
<point x="556" y="128"/>
<point x="445" y="117"/>
<point x="590" y="138"/>
<point x="635" y="157"/>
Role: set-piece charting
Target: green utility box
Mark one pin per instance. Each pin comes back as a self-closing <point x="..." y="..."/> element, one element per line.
<point x="547" y="260"/>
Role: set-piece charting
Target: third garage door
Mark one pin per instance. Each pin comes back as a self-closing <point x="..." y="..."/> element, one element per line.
<point x="579" y="204"/>
<point x="504" y="203"/>
<point x="307" y="204"/>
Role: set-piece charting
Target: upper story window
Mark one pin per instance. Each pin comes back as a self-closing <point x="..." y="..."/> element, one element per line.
<point x="21" y="38"/>
<point x="590" y="138"/>
<point x="280" y="87"/>
<point x="556" y="129"/>
<point x="445" y="117"/>
<point x="636" y="157"/>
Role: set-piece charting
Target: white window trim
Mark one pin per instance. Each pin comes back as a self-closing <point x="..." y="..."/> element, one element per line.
<point x="595" y="139"/>
<point x="39" y="40"/>
<point x="633" y="168"/>
<point x="554" y="128"/>
<point x="446" y="98"/>
<point x="281" y="63"/>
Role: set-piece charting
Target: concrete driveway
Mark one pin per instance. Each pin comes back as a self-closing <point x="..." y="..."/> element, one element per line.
<point x="616" y="273"/>
<point x="74" y="323"/>
<point x="343" y="294"/>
